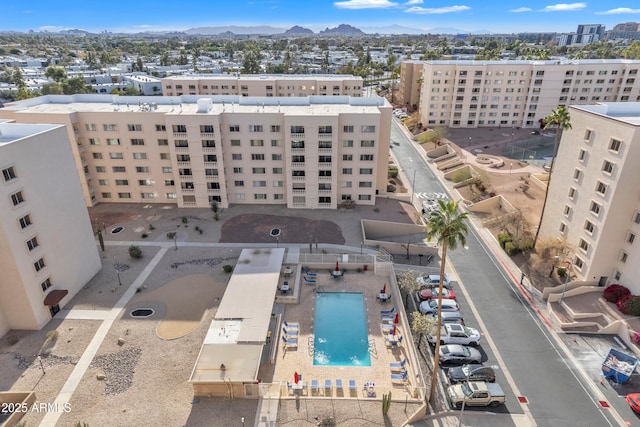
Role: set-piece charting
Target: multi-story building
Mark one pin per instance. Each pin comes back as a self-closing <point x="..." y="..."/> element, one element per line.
<point x="589" y="33"/>
<point x="515" y="93"/>
<point x="47" y="248"/>
<point x="410" y="83"/>
<point x="311" y="152"/>
<point x="594" y="196"/>
<point x="263" y="85"/>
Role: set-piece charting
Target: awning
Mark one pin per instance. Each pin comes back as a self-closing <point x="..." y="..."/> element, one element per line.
<point x="55" y="296"/>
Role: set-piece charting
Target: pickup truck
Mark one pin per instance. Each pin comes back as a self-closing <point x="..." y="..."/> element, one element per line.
<point x="475" y="393"/>
<point x="455" y="334"/>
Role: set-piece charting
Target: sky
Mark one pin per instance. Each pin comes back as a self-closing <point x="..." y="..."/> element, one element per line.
<point x="494" y="16"/>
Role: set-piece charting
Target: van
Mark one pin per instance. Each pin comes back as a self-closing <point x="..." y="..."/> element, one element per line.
<point x="449" y="317"/>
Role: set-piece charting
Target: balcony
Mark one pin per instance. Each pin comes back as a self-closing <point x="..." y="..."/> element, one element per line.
<point x="324" y="205"/>
<point x="213" y="191"/>
<point x="208" y="149"/>
<point x="188" y="190"/>
<point x="324" y="178"/>
<point x="325" y="136"/>
<point x="299" y="165"/>
<point x="297" y="136"/>
<point x="209" y="164"/>
<point x="184" y="163"/>
<point x="324" y="192"/>
<point x="298" y="205"/>
<point x="182" y="149"/>
<point x="180" y="135"/>
<point x="324" y="165"/>
<point x="186" y="177"/>
<point x="188" y="204"/>
<point x="298" y="192"/>
<point x="325" y="150"/>
<point x="298" y="178"/>
<point x="208" y="135"/>
<point x="297" y="150"/>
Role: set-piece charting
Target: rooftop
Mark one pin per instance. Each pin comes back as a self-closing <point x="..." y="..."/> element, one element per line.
<point x="628" y="112"/>
<point x="249" y="77"/>
<point x="11" y="132"/>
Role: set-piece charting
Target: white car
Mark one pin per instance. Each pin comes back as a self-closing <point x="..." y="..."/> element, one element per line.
<point x="433" y="280"/>
<point x="431" y="306"/>
<point x="456" y="334"/>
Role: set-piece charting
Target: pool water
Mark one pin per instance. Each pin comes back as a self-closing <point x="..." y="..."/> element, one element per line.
<point x="341" y="337"/>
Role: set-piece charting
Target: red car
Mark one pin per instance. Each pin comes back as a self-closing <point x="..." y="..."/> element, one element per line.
<point x="633" y="399"/>
<point x="432" y="293"/>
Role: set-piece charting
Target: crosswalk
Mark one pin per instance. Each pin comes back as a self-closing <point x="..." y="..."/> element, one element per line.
<point x="428" y="196"/>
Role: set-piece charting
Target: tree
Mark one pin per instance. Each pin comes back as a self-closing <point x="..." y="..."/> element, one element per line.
<point x="408" y="284"/>
<point x="422" y="324"/>
<point x="55" y="74"/>
<point x="561" y="120"/>
<point x="75" y="85"/>
<point x="435" y="135"/>
<point x="447" y="226"/>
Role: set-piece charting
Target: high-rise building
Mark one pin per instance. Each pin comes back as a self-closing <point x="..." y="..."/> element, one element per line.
<point x="302" y="152"/>
<point x="594" y="196"/>
<point x="47" y="248"/>
<point x="589" y="33"/>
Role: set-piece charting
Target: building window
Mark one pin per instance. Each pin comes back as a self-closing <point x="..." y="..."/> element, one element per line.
<point x="572" y="193"/>
<point x="365" y="184"/>
<point x="595" y="208"/>
<point x="297" y="129"/>
<point x="122" y="182"/>
<point x="259" y="170"/>
<point x="206" y="129"/>
<point x="367" y="143"/>
<point x="169" y="182"/>
<point x="172" y="196"/>
<point x="260" y="197"/>
<point x="96" y="156"/>
<point x="347" y="171"/>
<point x="116" y="156"/>
<point x="162" y="142"/>
<point x="601" y="188"/>
<point x="257" y="157"/>
<point x="347" y="143"/>
<point x="110" y="128"/>
<point x="148" y="195"/>
<point x="237" y="170"/>
<point x="90" y="127"/>
<point x="579" y="263"/>
<point x="347" y="157"/>
<point x="46" y="284"/>
<point x="119" y="169"/>
<point x="607" y="167"/>
<point x="563" y="228"/>
<point x="25" y="221"/>
<point x="39" y="264"/>
<point x="347" y="129"/>
<point x="124" y="195"/>
<point x="259" y="183"/>
<point x="583" y="245"/>
<point x="364" y="197"/>
<point x="636" y="218"/>
<point x="134" y="128"/>
<point x="17" y="198"/>
<point x="275" y="128"/>
<point x="366" y="157"/>
<point x="576" y="174"/>
<point x="106" y="195"/>
<point x="94" y="141"/>
<point x="567" y="210"/>
<point x="257" y="143"/>
<point x="623" y="257"/>
<point x="142" y="169"/>
<point x="161" y="128"/>
<point x="276" y="143"/>
<point x="137" y="141"/>
<point x="235" y="143"/>
<point x="368" y="129"/>
<point x="615" y="145"/>
<point x="631" y="237"/>
<point x="32" y="243"/>
<point x="366" y="171"/>
<point x="589" y="227"/>
<point x="9" y="174"/>
<point x="582" y="155"/>
<point x="234" y="128"/>
<point x="236" y="156"/>
<point x="208" y="143"/>
<point x="277" y="171"/>
<point x="255" y="128"/>
<point x="617" y="275"/>
<point x="276" y="157"/>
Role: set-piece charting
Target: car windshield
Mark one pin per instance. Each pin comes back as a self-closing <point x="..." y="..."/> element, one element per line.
<point x="466" y="351"/>
<point x="466" y="390"/>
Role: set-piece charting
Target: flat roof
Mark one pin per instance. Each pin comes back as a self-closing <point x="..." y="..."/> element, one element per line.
<point x="12" y="132"/>
<point x="628" y="112"/>
<point x="337" y="77"/>
<point x="237" y="334"/>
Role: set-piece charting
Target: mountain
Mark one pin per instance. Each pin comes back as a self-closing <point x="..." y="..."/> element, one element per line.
<point x="235" y="29"/>
<point x="393" y="29"/>
<point x="342" y="30"/>
<point x="298" y="31"/>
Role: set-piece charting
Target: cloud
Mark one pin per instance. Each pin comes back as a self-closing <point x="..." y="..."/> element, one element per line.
<point x="521" y="9"/>
<point x="364" y="4"/>
<point x="619" y="10"/>
<point x="410" y="2"/>
<point x="433" y="11"/>
<point x="563" y="7"/>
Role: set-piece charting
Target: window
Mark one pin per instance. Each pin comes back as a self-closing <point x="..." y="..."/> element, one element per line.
<point x="623" y="256"/>
<point x="236" y="156"/>
<point x="234" y="128"/>
<point x="366" y="157"/>
<point x="347" y="129"/>
<point x="260" y="197"/>
<point x="276" y="143"/>
<point x="347" y="143"/>
<point x="32" y="243"/>
<point x="134" y="128"/>
<point x="367" y="129"/>
<point x="142" y="169"/>
<point x="636" y="218"/>
<point x="208" y="143"/>
<point x="46" y="284"/>
<point x="210" y="158"/>
<point x="257" y="143"/>
<point x="106" y="195"/>
<point x="9" y="173"/>
<point x="206" y="129"/>
<point x="25" y="221"/>
<point x="235" y="143"/>
<point x="169" y="182"/>
<point x="579" y="263"/>
<point x="94" y="141"/>
<point x="576" y="174"/>
<point x="116" y="156"/>
<point x="145" y="182"/>
<point x="347" y="171"/>
<point x="124" y="195"/>
<point x="259" y="183"/>
<point x="167" y="169"/>
<point x="255" y="128"/>
<point x="17" y="198"/>
<point x="113" y="141"/>
<point x="137" y="141"/>
<point x="630" y="238"/>
<point x="615" y="144"/>
<point x="347" y="157"/>
<point x="257" y="157"/>
<point x="277" y="171"/>
<point x="275" y="157"/>
<point x="211" y="172"/>
<point x="278" y="183"/>
<point x="172" y="196"/>
<point x="595" y="208"/>
<point x="100" y="169"/>
<point x="297" y="129"/>
<point x="238" y="183"/>
<point x="364" y="197"/>
<point x="366" y="171"/>
<point x="572" y="192"/>
<point x="162" y="142"/>
<point x="110" y="128"/>
<point x="607" y="167"/>
<point x="259" y="170"/>
<point x="563" y="228"/>
<point x="567" y="210"/>
<point x="601" y="188"/>
<point x="325" y="130"/>
<point x="122" y="182"/>
<point x="179" y="128"/>
<point x="275" y="128"/>
<point x="366" y="143"/>
<point x="237" y="170"/>
<point x="583" y="245"/>
<point x="119" y="169"/>
<point x="582" y="155"/>
<point x="39" y="264"/>
<point x="589" y="226"/>
<point x="365" y="184"/>
<point x="90" y="127"/>
<point x="161" y="128"/>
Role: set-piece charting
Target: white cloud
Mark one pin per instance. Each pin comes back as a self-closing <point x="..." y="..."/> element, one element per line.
<point x="364" y="4"/>
<point x="521" y="9"/>
<point x="432" y="11"/>
<point x="410" y="2"/>
<point x="619" y="10"/>
<point x="563" y="7"/>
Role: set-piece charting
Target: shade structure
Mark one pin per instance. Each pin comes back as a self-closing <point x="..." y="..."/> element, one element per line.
<point x="394" y="330"/>
<point x="55" y="296"/>
<point x="396" y="320"/>
<point x="296" y="377"/>
<point x="384" y="289"/>
<point x="337" y="266"/>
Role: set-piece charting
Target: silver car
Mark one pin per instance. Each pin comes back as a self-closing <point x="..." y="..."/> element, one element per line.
<point x="456" y="353"/>
<point x="431" y="306"/>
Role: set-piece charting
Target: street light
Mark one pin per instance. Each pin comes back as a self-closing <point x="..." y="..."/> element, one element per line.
<point x="464" y="395"/>
<point x="118" y="273"/>
<point x="41" y="365"/>
<point x="413" y="186"/>
<point x="566" y="280"/>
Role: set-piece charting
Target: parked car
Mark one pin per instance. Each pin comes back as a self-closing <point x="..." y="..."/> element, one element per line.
<point x="455" y="334"/>
<point x="431" y="306"/>
<point x="474" y="372"/>
<point x="432" y="293"/>
<point x="476" y="394"/>
<point x="633" y="399"/>
<point x="457" y="353"/>
<point x="434" y="280"/>
<point x="448" y="317"/>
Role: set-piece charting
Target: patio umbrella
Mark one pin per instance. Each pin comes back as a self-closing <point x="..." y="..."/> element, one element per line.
<point x="384" y="289"/>
<point x="396" y="320"/>
<point x="337" y="266"/>
<point x="394" y="330"/>
<point x="296" y="377"/>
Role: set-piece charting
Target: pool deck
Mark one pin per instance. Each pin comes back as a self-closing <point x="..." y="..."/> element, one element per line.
<point x="300" y="359"/>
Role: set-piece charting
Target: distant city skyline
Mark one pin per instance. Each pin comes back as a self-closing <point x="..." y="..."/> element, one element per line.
<point x="465" y="16"/>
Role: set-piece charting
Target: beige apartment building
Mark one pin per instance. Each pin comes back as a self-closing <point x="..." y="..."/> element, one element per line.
<point x="282" y="85"/>
<point x="513" y="94"/>
<point x="303" y="152"/>
<point x="48" y="251"/>
<point x="594" y="196"/>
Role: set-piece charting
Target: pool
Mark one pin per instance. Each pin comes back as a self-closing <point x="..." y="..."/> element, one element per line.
<point x="341" y="337"/>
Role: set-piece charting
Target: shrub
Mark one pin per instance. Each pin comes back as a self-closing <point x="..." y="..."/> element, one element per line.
<point x="151" y="227"/>
<point x="460" y="175"/>
<point x="227" y="268"/>
<point x="391" y="188"/>
<point x="504" y="238"/>
<point x="393" y="172"/>
<point x="525" y="244"/>
<point x="135" y="252"/>
<point x="511" y="248"/>
<point x="561" y="271"/>
<point x="185" y="220"/>
<point x="636" y="338"/>
<point x="613" y="293"/>
<point x="629" y="304"/>
<point x="144" y="235"/>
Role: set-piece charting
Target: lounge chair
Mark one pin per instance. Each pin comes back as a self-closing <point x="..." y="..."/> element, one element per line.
<point x="339" y="385"/>
<point x="291" y="325"/>
<point x="387" y="327"/>
<point x="314" y="385"/>
<point x="387" y="312"/>
<point x="310" y="281"/>
<point x="352" y="385"/>
<point x="388" y="318"/>
<point x="327" y="386"/>
<point x="293" y="342"/>
<point x="290" y="332"/>
<point x="399" y="377"/>
<point x="398" y="365"/>
<point x="308" y="273"/>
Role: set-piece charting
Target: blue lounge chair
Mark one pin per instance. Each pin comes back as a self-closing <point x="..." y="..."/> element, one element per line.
<point x="339" y="384"/>
<point x="399" y="377"/>
<point x="388" y="318"/>
<point x="387" y="327"/>
<point x="291" y="325"/>
<point x="292" y="332"/>
<point x="293" y="342"/>
<point x="352" y="385"/>
<point x="398" y="365"/>
<point x="308" y="273"/>
<point x="327" y="386"/>
<point x="387" y="312"/>
<point x="314" y="385"/>
<point x="310" y="281"/>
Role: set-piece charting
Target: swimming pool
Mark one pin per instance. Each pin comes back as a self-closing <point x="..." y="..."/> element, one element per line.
<point x="341" y="337"/>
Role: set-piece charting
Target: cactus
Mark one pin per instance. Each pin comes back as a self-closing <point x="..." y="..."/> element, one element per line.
<point x="386" y="403"/>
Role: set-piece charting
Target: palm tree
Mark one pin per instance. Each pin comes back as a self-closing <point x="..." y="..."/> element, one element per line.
<point x="449" y="229"/>
<point x="561" y="120"/>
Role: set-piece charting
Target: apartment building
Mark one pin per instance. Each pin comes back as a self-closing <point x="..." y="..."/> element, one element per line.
<point x="594" y="196"/>
<point x="47" y="248"/>
<point x="287" y="85"/>
<point x="515" y="93"/>
<point x="410" y="83"/>
<point x="309" y="152"/>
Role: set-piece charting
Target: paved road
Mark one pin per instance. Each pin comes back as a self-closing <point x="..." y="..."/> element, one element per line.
<point x="525" y="350"/>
